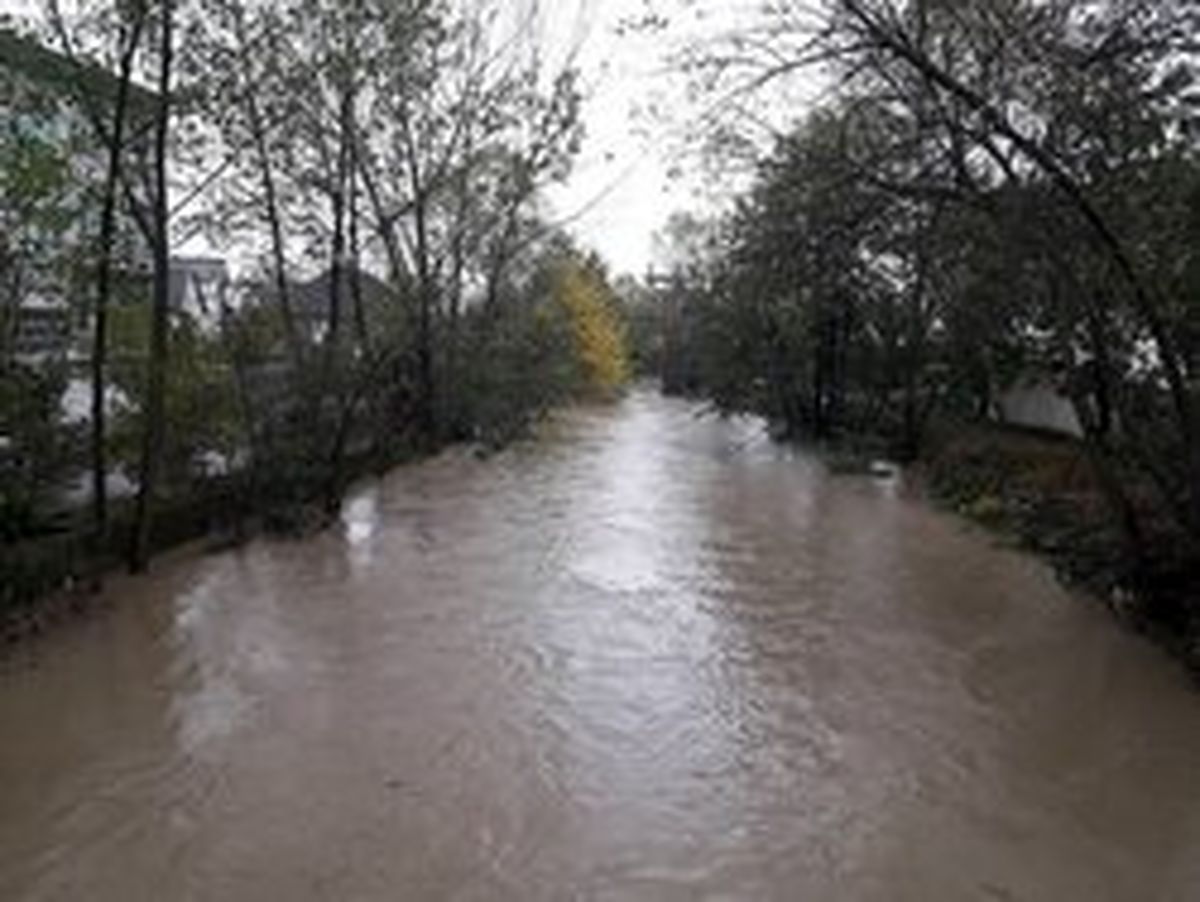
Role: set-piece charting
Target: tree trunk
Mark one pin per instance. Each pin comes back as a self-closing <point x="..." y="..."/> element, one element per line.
<point x="275" y="226"/>
<point x="356" y="295"/>
<point x="154" y="425"/>
<point x="1146" y="302"/>
<point x="426" y="386"/>
<point x="104" y="261"/>
<point x="258" y="134"/>
<point x="914" y="355"/>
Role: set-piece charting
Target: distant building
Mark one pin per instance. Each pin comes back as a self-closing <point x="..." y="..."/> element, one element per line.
<point x="312" y="302"/>
<point x="44" y="327"/>
<point x="270" y="383"/>
<point x="44" y="102"/>
<point x="200" y="287"/>
<point x="1037" y="403"/>
<point x="41" y="330"/>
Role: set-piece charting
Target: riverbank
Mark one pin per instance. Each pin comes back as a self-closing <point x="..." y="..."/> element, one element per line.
<point x="1036" y="489"/>
<point x="1042" y="492"/>
<point x="516" y="678"/>
<point x="52" y="578"/>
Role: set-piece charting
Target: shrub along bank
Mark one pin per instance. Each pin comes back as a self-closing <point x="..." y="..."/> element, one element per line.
<point x="563" y="338"/>
<point x="1043" y="491"/>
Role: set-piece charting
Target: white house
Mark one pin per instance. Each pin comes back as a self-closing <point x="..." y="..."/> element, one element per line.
<point x="199" y="287"/>
<point x="1036" y="403"/>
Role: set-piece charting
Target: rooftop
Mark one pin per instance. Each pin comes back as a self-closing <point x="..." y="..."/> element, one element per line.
<point x="59" y="73"/>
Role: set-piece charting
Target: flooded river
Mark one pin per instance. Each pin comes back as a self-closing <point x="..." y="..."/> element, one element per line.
<point x="650" y="657"/>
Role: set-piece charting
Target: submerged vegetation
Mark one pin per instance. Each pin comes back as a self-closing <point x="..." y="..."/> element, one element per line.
<point x="372" y="171"/>
<point x="991" y="195"/>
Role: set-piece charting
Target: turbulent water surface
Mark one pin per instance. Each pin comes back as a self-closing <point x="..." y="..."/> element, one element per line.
<point x="652" y="656"/>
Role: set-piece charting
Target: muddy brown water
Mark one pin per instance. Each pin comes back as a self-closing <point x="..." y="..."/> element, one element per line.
<point x="652" y="656"/>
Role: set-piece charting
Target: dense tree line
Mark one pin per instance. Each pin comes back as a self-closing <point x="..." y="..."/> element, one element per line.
<point x="380" y="167"/>
<point x="990" y="189"/>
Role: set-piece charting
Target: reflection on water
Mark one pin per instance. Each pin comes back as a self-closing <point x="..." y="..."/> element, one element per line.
<point x="651" y="657"/>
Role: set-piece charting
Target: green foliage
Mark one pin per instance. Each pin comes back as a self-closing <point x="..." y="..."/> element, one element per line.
<point x="520" y="367"/>
<point x="644" y="317"/>
<point x="401" y="301"/>
<point x="910" y="250"/>
<point x="31" y="569"/>
<point x="35" y="208"/>
<point x="201" y="401"/>
<point x="992" y="192"/>
<point x="35" y="450"/>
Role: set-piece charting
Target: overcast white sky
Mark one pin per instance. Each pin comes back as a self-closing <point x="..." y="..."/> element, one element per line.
<point x="640" y="162"/>
<point x="637" y="165"/>
<point x="620" y="189"/>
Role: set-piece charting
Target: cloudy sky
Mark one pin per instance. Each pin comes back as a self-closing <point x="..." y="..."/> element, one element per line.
<point x="621" y="190"/>
<point x="640" y="160"/>
<point x="636" y="165"/>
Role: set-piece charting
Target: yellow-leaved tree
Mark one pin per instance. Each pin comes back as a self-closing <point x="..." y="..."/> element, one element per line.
<point x="598" y="329"/>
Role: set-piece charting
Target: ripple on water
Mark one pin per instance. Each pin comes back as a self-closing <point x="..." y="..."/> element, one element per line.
<point x="653" y="656"/>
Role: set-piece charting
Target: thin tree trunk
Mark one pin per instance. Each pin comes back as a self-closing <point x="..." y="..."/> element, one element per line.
<point x="108" y="222"/>
<point x="914" y="355"/>
<point x="154" y="426"/>
<point x="356" y="295"/>
<point x="234" y="342"/>
<point x="426" y="403"/>
<point x="275" y="226"/>
<point x="333" y="379"/>
<point x="1145" y="300"/>
<point x="337" y="251"/>
<point x="9" y="316"/>
<point x="258" y="134"/>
